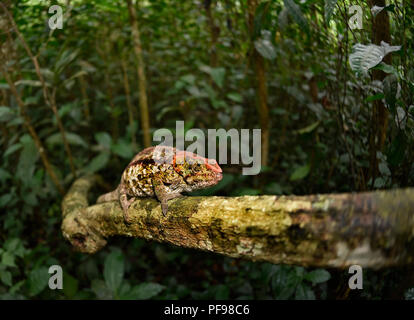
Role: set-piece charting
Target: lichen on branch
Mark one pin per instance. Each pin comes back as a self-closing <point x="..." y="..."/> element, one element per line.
<point x="372" y="229"/>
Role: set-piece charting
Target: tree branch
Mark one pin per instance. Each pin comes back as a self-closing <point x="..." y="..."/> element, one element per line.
<point x="373" y="229"/>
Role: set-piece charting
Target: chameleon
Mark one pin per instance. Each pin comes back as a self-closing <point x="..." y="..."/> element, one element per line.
<point x="163" y="172"/>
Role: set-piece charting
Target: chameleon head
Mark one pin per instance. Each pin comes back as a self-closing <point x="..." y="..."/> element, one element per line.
<point x="198" y="172"/>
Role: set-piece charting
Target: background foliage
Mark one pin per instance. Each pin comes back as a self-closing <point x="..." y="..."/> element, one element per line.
<point x="322" y="80"/>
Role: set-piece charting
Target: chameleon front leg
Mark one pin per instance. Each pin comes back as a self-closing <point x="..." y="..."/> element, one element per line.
<point x="125" y="203"/>
<point x="163" y="194"/>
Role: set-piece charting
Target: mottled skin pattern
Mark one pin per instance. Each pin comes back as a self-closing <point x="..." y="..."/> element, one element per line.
<point x="164" y="173"/>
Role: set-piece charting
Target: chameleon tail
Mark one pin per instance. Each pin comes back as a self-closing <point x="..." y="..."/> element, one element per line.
<point x="110" y="196"/>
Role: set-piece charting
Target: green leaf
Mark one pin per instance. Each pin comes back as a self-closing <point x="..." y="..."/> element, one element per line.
<point x="7" y="259"/>
<point x="396" y="152"/>
<point x="6" y="114"/>
<point x="246" y="192"/>
<point x="365" y="57"/>
<point x="27" y="159"/>
<point x="265" y="48"/>
<point x="273" y="188"/>
<point x="309" y="128"/>
<point x="329" y="9"/>
<point x="218" y="76"/>
<point x="283" y="19"/>
<point x="26" y="82"/>
<point x="222" y="292"/>
<point x="67" y="56"/>
<point x="261" y="17"/>
<point x="15" y="245"/>
<point x="374" y="97"/>
<point x="390" y="84"/>
<point x="13" y="148"/>
<point x="375" y="10"/>
<point x="300" y="173"/>
<point x="6" y="278"/>
<point x="383" y="168"/>
<point x="103" y="139"/>
<point x="122" y="149"/>
<point x="5" y="199"/>
<point x="145" y="291"/>
<point x="235" y="97"/>
<point x="318" y="276"/>
<point x="4" y="85"/>
<point x="114" y="270"/>
<point x="189" y="78"/>
<point x="386" y="68"/>
<point x="304" y="292"/>
<point x="98" y="163"/>
<point x="70" y="285"/>
<point x="101" y="290"/>
<point x="284" y="282"/>
<point x="4" y="175"/>
<point x="38" y="280"/>
<point x="296" y="14"/>
<point x="72" y="138"/>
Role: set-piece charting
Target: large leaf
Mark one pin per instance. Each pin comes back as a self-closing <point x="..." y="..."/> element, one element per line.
<point x="114" y="270"/>
<point x="300" y="173"/>
<point x="6" y="114"/>
<point x="67" y="57"/>
<point x="72" y="138"/>
<point x="261" y="17"/>
<point x="104" y="139"/>
<point x="390" y="83"/>
<point x="98" y="163"/>
<point x="304" y="292"/>
<point x="6" y="277"/>
<point x="265" y="48"/>
<point x="7" y="259"/>
<point x="70" y="285"/>
<point x="145" y="291"/>
<point x="375" y="10"/>
<point x="28" y="82"/>
<point x="296" y="14"/>
<point x="123" y="149"/>
<point x="318" y="276"/>
<point x="365" y="57"/>
<point x="38" y="280"/>
<point x="27" y="159"/>
<point x="218" y="76"/>
<point x="329" y="9"/>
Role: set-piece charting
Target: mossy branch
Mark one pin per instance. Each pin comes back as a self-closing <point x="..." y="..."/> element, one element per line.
<point x="373" y="229"/>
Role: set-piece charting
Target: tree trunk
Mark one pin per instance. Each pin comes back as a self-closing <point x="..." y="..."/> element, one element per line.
<point x="261" y="86"/>
<point x="143" y="101"/>
<point x="49" y="98"/>
<point x="373" y="229"/>
<point x="214" y="33"/>
<point x="28" y="124"/>
<point x="128" y="100"/>
<point x="379" y="115"/>
<point x="85" y="100"/>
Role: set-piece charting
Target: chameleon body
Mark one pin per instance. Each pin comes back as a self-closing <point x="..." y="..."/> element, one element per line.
<point x="163" y="172"/>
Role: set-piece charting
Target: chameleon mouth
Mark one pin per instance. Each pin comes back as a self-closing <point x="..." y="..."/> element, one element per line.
<point x="213" y="166"/>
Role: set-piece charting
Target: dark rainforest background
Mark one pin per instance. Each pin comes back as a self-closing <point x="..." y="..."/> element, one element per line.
<point x="336" y="116"/>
